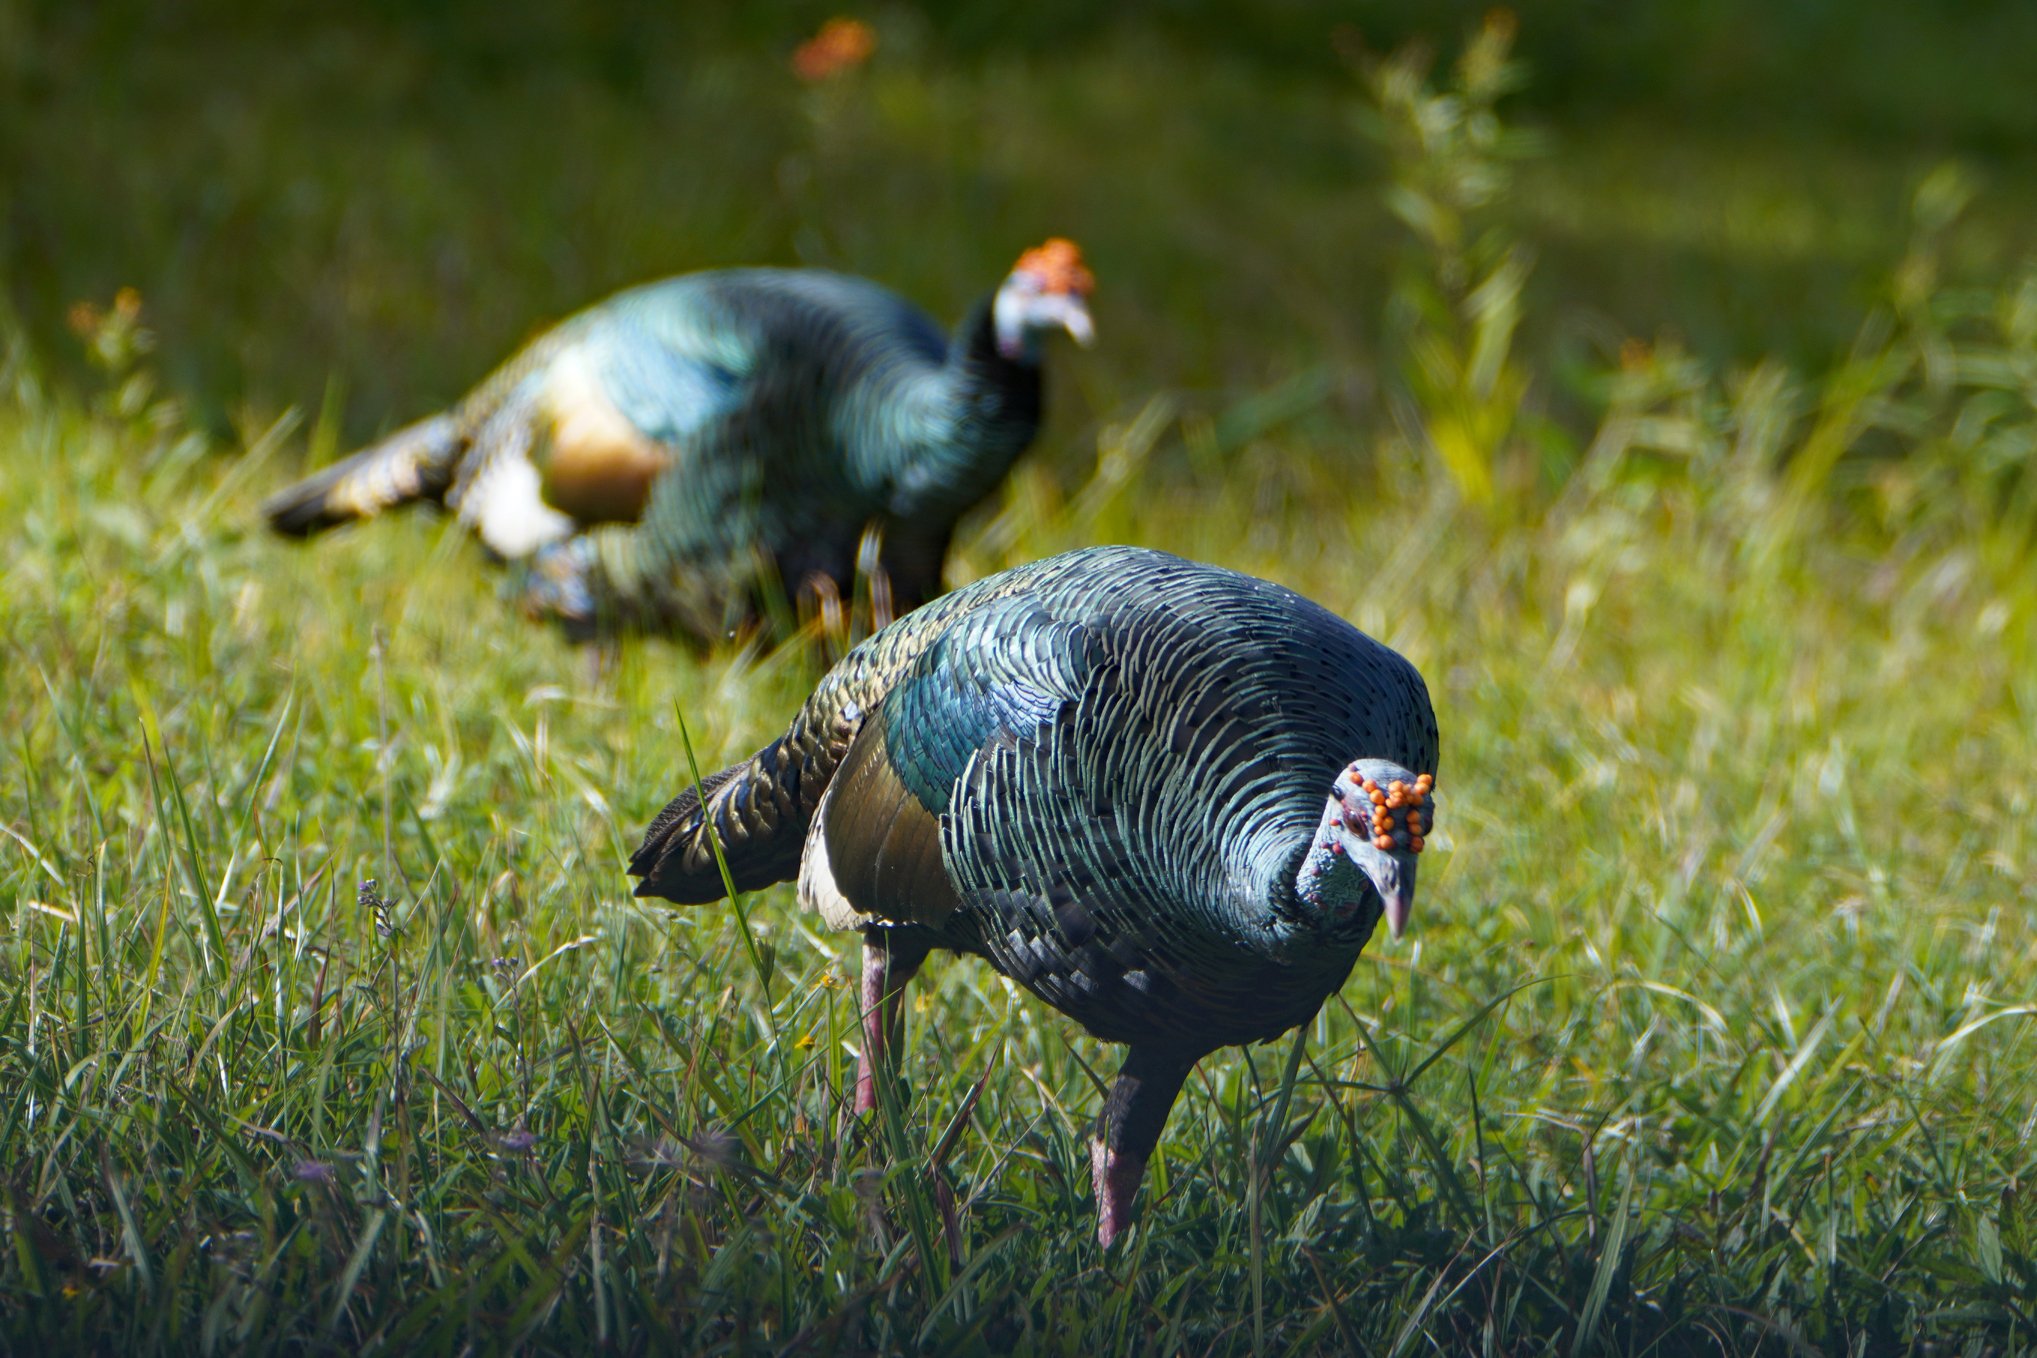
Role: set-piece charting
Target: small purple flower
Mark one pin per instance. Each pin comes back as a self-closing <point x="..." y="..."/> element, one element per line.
<point x="519" y="1140"/>
<point x="314" y="1172"/>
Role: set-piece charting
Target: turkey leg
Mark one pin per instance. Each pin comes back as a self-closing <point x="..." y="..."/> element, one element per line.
<point x="1132" y="1118"/>
<point x="890" y="957"/>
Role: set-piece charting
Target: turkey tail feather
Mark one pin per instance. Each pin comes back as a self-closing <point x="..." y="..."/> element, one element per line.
<point x="753" y="812"/>
<point x="759" y="811"/>
<point x="414" y="463"/>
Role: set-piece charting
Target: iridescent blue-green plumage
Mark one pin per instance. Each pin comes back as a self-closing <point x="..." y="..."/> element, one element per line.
<point x="1106" y="773"/>
<point x="682" y="452"/>
<point x="854" y="413"/>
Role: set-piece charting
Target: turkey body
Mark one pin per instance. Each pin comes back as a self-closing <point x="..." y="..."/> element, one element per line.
<point x="1112" y="774"/>
<point x="677" y="454"/>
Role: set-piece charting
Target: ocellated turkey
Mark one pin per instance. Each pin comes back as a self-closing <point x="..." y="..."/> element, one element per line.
<point x="1170" y="800"/>
<point x="676" y="456"/>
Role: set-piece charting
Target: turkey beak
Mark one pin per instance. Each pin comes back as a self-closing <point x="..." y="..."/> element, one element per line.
<point x="1070" y="311"/>
<point x="1394" y="876"/>
<point x="1397" y="903"/>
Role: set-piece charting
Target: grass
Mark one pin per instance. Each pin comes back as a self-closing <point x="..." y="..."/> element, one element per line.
<point x="1711" y="1033"/>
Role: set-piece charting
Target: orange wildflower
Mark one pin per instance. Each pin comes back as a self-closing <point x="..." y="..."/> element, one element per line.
<point x="841" y="45"/>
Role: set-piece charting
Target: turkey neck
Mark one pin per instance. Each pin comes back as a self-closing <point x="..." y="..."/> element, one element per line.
<point x="962" y="425"/>
<point x="1266" y="905"/>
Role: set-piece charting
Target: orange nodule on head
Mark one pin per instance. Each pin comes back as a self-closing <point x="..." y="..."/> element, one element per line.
<point x="1418" y="824"/>
<point x="1057" y="263"/>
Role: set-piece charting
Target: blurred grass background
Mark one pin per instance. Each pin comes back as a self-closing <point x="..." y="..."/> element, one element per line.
<point x="392" y="195"/>
<point x="1663" y="384"/>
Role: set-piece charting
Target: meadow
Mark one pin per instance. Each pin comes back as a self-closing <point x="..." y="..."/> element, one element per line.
<point x="1696" y="476"/>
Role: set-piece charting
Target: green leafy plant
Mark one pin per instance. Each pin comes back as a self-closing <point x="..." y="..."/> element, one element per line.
<point x="1457" y="300"/>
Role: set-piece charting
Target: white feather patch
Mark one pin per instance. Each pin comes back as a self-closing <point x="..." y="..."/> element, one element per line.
<point x="817" y="889"/>
<point x="506" y="505"/>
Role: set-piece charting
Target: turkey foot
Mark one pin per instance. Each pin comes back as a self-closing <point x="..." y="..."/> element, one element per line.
<point x="1130" y="1128"/>
<point x="889" y="960"/>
